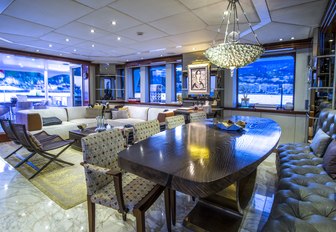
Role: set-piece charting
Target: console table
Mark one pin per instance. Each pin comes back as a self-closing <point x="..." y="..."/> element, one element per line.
<point x="201" y="160"/>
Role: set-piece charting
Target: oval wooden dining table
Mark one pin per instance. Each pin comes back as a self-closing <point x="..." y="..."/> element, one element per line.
<point x="201" y="160"/>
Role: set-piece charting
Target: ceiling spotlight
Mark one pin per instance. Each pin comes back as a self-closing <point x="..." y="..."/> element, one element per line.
<point x="92" y="31"/>
<point x="114" y="22"/>
<point x="331" y="40"/>
<point x="61" y="54"/>
<point x="292" y="38"/>
<point x="67" y="40"/>
<point x="119" y="38"/>
<point x="138" y="53"/>
<point x="50" y="45"/>
<point x="33" y="59"/>
<point x="280" y="39"/>
<point x="178" y="46"/>
<point x="126" y="60"/>
<point x="8" y="57"/>
<point x="92" y="45"/>
<point x="75" y="50"/>
<point x="194" y="49"/>
<point x="37" y="50"/>
<point x="141" y="58"/>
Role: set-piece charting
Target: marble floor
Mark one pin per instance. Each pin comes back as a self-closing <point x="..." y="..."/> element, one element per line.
<point x="25" y="208"/>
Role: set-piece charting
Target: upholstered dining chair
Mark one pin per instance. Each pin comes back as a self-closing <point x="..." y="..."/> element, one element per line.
<point x="32" y="144"/>
<point x="108" y="185"/>
<point x="143" y="130"/>
<point x="198" y="117"/>
<point x="7" y="127"/>
<point x="174" y="121"/>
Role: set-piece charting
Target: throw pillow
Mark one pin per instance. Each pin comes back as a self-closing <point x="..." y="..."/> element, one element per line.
<point x="34" y="140"/>
<point x="320" y="142"/>
<point x="329" y="160"/>
<point x="125" y="108"/>
<point x="119" y="114"/>
<point x="49" y="121"/>
<point x="92" y="113"/>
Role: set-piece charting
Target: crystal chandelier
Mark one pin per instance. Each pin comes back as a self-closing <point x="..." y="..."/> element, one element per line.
<point x="231" y="53"/>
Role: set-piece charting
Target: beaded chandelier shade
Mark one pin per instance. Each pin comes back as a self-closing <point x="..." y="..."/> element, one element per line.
<point x="231" y="53"/>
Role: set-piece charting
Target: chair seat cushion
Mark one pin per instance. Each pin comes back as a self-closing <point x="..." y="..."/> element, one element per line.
<point x="134" y="189"/>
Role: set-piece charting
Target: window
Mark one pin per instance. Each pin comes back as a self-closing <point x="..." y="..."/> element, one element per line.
<point x="157" y="84"/>
<point x="120" y="83"/>
<point x="212" y="85"/>
<point x="267" y="82"/>
<point x="136" y="83"/>
<point x="178" y="81"/>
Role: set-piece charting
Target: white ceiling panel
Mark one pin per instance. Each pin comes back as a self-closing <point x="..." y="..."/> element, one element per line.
<point x="4" y="4"/>
<point x="193" y="37"/>
<point x="153" y="45"/>
<point x="279" y="30"/>
<point x="172" y="25"/>
<point x="47" y="12"/>
<point x="113" y="40"/>
<point x="308" y="14"/>
<point x="148" y="33"/>
<point x="97" y="46"/>
<point x="276" y="4"/>
<point x="81" y="31"/>
<point x="16" y="38"/>
<point x="103" y="18"/>
<point x="60" y="39"/>
<point x="96" y="4"/>
<point x="41" y="44"/>
<point x="15" y="26"/>
<point x="192" y="4"/>
<point x="149" y="10"/>
<point x="217" y="12"/>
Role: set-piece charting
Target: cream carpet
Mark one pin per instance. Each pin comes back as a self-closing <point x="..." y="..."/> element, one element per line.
<point x="62" y="183"/>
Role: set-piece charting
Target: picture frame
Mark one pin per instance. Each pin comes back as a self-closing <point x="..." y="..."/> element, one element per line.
<point x="199" y="79"/>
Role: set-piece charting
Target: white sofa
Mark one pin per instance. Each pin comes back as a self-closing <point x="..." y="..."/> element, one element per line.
<point x="73" y="116"/>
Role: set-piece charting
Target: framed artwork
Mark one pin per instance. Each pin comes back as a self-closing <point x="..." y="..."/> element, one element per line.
<point x="199" y="78"/>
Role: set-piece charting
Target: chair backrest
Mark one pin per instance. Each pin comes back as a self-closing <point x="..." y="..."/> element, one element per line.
<point x="174" y="121"/>
<point x="143" y="130"/>
<point x="6" y="126"/>
<point x="25" y="139"/>
<point x="197" y="117"/>
<point x="102" y="149"/>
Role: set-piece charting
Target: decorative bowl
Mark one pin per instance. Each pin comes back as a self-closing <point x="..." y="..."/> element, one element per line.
<point x="82" y="126"/>
<point x="231" y="126"/>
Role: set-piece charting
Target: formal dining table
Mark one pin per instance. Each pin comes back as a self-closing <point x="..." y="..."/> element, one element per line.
<point x="201" y="160"/>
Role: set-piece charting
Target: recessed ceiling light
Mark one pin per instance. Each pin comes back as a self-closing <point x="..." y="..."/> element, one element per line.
<point x="138" y="53"/>
<point x="67" y="39"/>
<point x="8" y="57"/>
<point x="119" y="38"/>
<point x="92" y="31"/>
<point x="331" y="40"/>
<point x="114" y="22"/>
<point x="161" y="55"/>
<point x="50" y="45"/>
<point x="292" y="38"/>
<point x="92" y="45"/>
<point x="281" y="39"/>
<point x="61" y="54"/>
<point x="141" y="58"/>
<point x="37" y="50"/>
<point x="33" y="59"/>
<point x="20" y="64"/>
<point x="126" y="60"/>
<point x="178" y="46"/>
<point x="194" y="49"/>
<point x="75" y="50"/>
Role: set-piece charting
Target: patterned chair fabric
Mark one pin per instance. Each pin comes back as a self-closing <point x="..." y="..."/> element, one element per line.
<point x="108" y="185"/>
<point x="305" y="199"/>
<point x="143" y="130"/>
<point x="197" y="117"/>
<point x="174" y="121"/>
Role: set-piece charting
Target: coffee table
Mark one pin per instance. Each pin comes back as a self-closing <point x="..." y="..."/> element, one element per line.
<point x="77" y="135"/>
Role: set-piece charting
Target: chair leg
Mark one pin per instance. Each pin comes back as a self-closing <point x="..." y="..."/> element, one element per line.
<point x="140" y="220"/>
<point x="91" y="214"/>
<point x="25" y="160"/>
<point x="167" y="200"/>
<point x="13" y="152"/>
<point x="173" y="205"/>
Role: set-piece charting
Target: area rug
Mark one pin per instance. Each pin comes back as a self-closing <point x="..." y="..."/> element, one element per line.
<point x="63" y="184"/>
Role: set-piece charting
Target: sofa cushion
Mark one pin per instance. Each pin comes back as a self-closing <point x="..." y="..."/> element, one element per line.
<point x="93" y="112"/>
<point x="49" y="121"/>
<point x="91" y="122"/>
<point x="58" y="112"/>
<point x="76" y="112"/>
<point x="125" y="121"/>
<point x="119" y="114"/>
<point x="329" y="160"/>
<point x="138" y="112"/>
<point x="154" y="112"/>
<point x="320" y="143"/>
